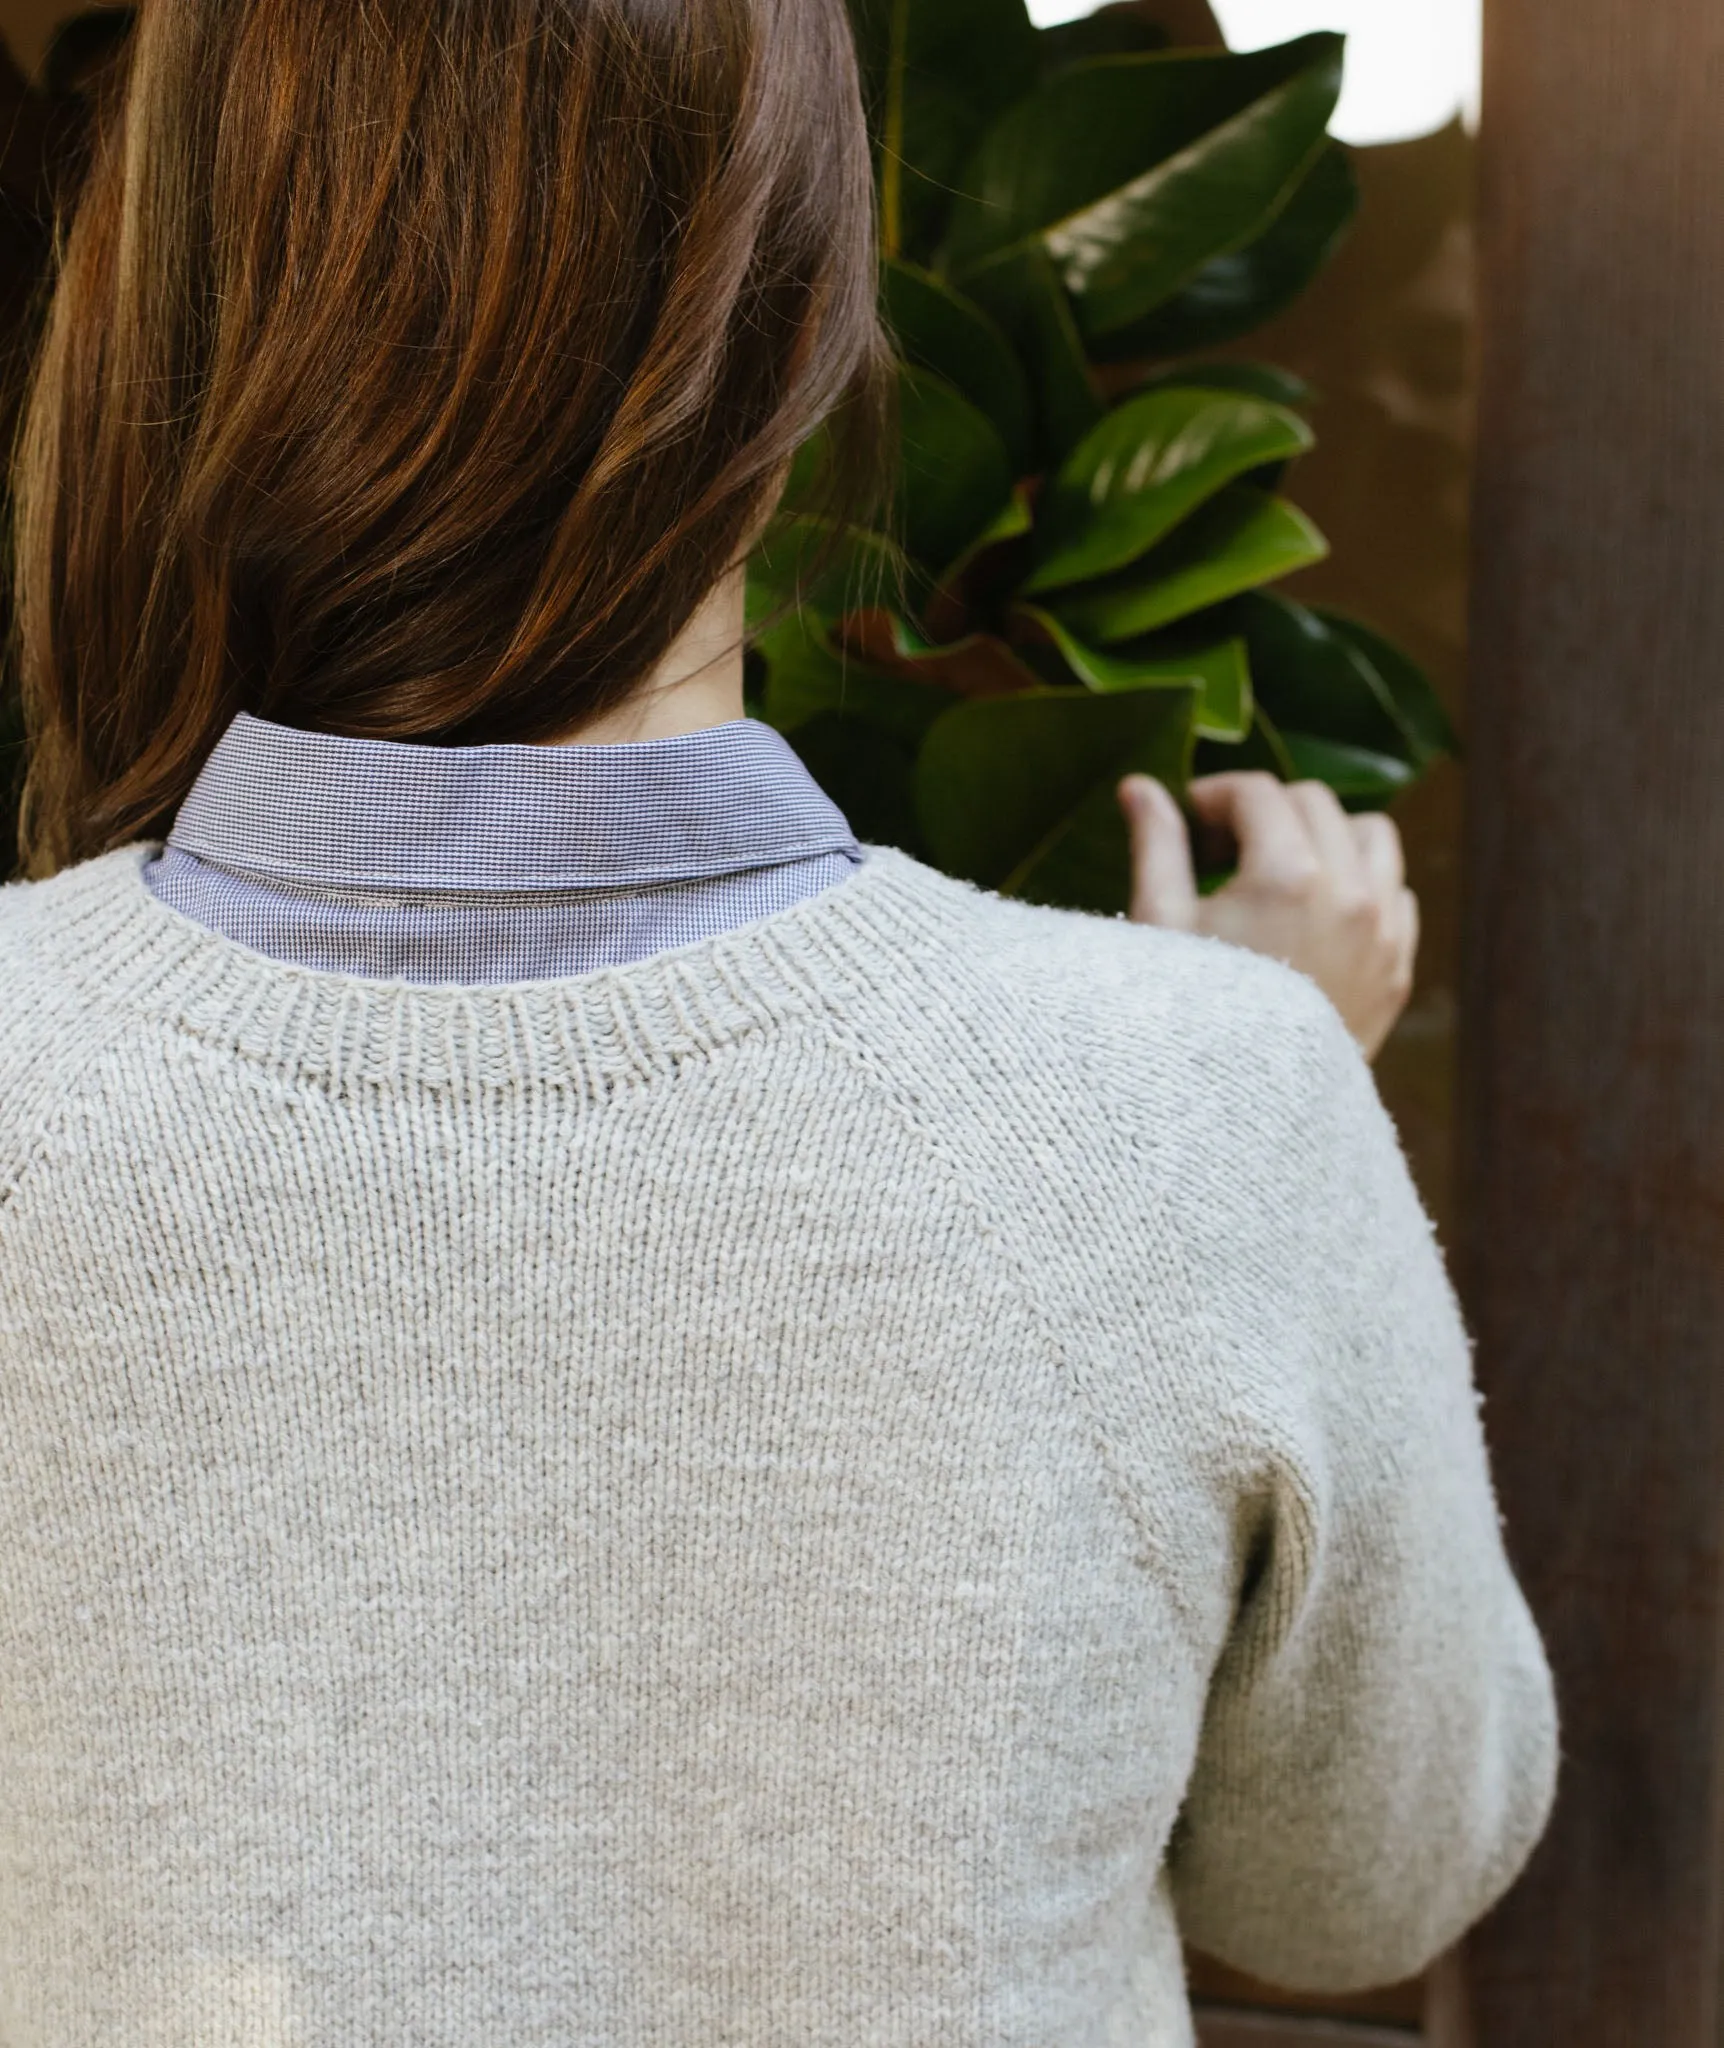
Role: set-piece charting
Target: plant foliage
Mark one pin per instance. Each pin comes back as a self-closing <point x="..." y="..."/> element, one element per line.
<point x="1072" y="586"/>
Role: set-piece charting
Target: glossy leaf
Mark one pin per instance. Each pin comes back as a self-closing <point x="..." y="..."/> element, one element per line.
<point x="1240" y="539"/>
<point x="813" y="471"/>
<point x="1095" y="129"/>
<point x="806" y="676"/>
<point x="1239" y="290"/>
<point x="939" y="329"/>
<point x="935" y="72"/>
<point x="1015" y="792"/>
<point x="1130" y="252"/>
<point x="1150" y="463"/>
<point x="1262" y="749"/>
<point x="1016" y="519"/>
<point x="812" y="564"/>
<point x="1421" y="709"/>
<point x="985" y="52"/>
<point x="868" y="773"/>
<point x="939" y="133"/>
<point x="956" y="476"/>
<point x="1024" y="296"/>
<point x="1255" y="380"/>
<point x="978" y="665"/>
<point x="1220" y="668"/>
<point x="1228" y="706"/>
<point x="1361" y="779"/>
<point x="1311" y="679"/>
<point x="1112" y="34"/>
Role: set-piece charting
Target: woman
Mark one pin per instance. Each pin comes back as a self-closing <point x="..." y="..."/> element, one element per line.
<point x="627" y="1421"/>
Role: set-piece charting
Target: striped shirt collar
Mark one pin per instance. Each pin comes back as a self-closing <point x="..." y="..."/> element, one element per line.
<point x="314" y="810"/>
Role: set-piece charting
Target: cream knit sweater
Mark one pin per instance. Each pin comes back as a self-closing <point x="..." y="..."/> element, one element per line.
<point x="832" y="1488"/>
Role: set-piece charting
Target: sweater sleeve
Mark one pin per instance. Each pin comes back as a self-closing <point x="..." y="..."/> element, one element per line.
<point x="1379" y="1750"/>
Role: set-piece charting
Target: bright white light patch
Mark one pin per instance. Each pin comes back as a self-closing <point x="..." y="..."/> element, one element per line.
<point x="1411" y="64"/>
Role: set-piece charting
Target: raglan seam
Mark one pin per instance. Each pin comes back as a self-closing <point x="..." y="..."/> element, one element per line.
<point x="66" y="1097"/>
<point x="840" y="1034"/>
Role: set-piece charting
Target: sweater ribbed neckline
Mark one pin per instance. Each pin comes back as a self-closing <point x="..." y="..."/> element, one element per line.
<point x="132" y="954"/>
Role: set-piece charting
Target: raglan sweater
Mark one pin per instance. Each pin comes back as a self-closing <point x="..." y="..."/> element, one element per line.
<point x="838" y="1486"/>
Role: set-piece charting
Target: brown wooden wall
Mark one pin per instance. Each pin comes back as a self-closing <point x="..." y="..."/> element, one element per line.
<point x="1593" y="1064"/>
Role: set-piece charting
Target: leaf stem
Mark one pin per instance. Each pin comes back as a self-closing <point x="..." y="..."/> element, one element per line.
<point x="892" y="143"/>
<point x="1034" y="858"/>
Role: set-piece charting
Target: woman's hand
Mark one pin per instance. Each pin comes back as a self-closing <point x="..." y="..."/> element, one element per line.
<point x="1319" y="889"/>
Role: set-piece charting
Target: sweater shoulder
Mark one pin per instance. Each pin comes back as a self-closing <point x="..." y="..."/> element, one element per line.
<point x="49" y="1034"/>
<point x="1164" y="1080"/>
<point x="1141" y="1008"/>
<point x="32" y="980"/>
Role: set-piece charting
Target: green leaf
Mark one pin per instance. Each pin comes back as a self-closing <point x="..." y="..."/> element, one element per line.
<point x="1234" y="293"/>
<point x="1220" y="669"/>
<point x="985" y="52"/>
<point x="1017" y="793"/>
<point x="1361" y="779"/>
<point x="1128" y="253"/>
<point x="940" y="330"/>
<point x="1025" y="298"/>
<point x="1311" y="679"/>
<point x="1421" y="710"/>
<point x="806" y="676"/>
<point x="937" y="133"/>
<point x="812" y="473"/>
<point x="1093" y="130"/>
<point x="1262" y="749"/>
<point x="955" y="477"/>
<point x="1240" y="539"/>
<point x="1099" y="35"/>
<point x="1150" y="464"/>
<point x="812" y="563"/>
<point x="868" y="774"/>
<point x="1255" y="380"/>
<point x="935" y="72"/>
<point x="1015" y="520"/>
<point x="978" y="665"/>
<point x="1228" y="705"/>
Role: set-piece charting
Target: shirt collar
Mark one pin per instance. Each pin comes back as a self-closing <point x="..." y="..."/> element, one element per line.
<point x="318" y="809"/>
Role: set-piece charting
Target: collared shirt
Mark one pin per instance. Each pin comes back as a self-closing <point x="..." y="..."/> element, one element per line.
<point x="498" y="863"/>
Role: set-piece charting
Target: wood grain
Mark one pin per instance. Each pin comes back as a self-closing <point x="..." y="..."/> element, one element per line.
<point x="1592" y="1072"/>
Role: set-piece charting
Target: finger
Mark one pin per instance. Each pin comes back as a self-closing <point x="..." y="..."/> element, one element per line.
<point x="1276" y="850"/>
<point x="1407" y="932"/>
<point x="1380" y="853"/>
<point x="1331" y="833"/>
<point x="1163" y="885"/>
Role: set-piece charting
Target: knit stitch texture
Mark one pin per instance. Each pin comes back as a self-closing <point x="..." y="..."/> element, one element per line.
<point x="835" y="1487"/>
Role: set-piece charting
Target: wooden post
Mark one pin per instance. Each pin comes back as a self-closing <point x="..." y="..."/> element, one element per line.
<point x="1592" y="1056"/>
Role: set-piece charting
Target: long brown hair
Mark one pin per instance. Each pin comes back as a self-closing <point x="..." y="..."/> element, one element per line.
<point x="415" y="368"/>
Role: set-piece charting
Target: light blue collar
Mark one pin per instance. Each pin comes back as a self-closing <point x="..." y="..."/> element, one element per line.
<point x="315" y="809"/>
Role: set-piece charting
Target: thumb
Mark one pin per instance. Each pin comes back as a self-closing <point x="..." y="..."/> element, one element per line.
<point x="1163" y="884"/>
